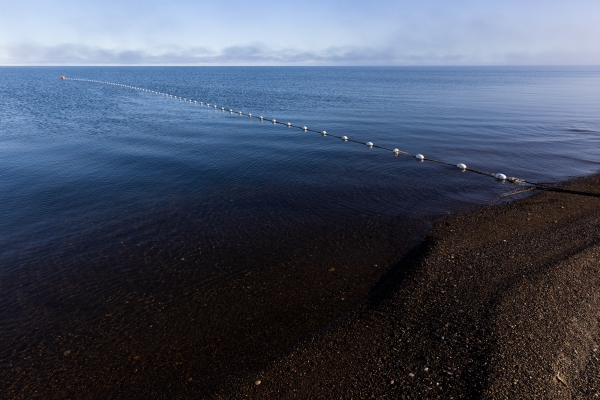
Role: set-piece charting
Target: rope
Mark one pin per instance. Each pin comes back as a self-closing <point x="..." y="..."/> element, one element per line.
<point x="420" y="157"/>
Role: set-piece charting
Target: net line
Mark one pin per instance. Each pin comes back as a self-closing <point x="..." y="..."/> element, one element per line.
<point x="419" y="157"/>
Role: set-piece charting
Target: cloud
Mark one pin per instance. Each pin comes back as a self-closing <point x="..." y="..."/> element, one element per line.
<point x="257" y="54"/>
<point x="72" y="54"/>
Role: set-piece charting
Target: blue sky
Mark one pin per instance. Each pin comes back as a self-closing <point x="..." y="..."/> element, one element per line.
<point x="325" y="32"/>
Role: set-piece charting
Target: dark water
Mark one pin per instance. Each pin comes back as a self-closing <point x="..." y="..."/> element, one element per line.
<point x="110" y="195"/>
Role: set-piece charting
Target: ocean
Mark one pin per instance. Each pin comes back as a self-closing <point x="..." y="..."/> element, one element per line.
<point x="131" y="222"/>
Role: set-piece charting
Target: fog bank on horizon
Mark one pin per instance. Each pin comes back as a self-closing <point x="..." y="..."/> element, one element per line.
<point x="325" y="32"/>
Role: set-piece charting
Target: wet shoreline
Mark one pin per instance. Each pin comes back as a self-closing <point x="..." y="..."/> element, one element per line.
<point x="499" y="302"/>
<point x="302" y="325"/>
<point x="137" y="323"/>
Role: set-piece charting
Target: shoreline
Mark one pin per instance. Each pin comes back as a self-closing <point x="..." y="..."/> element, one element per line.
<point x="498" y="302"/>
<point x="177" y="330"/>
<point x="342" y="315"/>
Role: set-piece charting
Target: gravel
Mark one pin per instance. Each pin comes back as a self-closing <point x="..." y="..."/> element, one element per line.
<point x="502" y="302"/>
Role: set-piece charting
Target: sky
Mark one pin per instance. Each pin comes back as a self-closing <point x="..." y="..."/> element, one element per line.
<point x="282" y="32"/>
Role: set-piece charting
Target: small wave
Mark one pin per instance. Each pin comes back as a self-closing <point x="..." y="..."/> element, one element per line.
<point x="581" y="130"/>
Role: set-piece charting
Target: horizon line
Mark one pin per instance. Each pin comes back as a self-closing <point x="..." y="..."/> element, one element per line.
<point x="299" y="65"/>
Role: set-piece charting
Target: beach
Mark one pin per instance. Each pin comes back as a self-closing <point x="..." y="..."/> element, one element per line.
<point x="501" y="302"/>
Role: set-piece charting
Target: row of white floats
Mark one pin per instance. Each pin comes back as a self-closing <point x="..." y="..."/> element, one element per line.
<point x="419" y="157"/>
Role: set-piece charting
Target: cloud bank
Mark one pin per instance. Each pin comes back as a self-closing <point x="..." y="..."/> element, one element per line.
<point x="77" y="54"/>
<point x="311" y="32"/>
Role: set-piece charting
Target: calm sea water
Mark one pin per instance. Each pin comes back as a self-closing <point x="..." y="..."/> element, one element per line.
<point x="73" y="154"/>
<point x="98" y="183"/>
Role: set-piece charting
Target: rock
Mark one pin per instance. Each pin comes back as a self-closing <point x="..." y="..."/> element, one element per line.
<point x="561" y="380"/>
<point x="331" y="269"/>
<point x="66" y="353"/>
<point x="257" y="382"/>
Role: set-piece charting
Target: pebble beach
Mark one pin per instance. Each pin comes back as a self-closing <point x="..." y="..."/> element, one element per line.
<point x="498" y="303"/>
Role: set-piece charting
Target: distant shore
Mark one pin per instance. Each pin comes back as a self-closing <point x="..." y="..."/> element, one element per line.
<point x="502" y="302"/>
